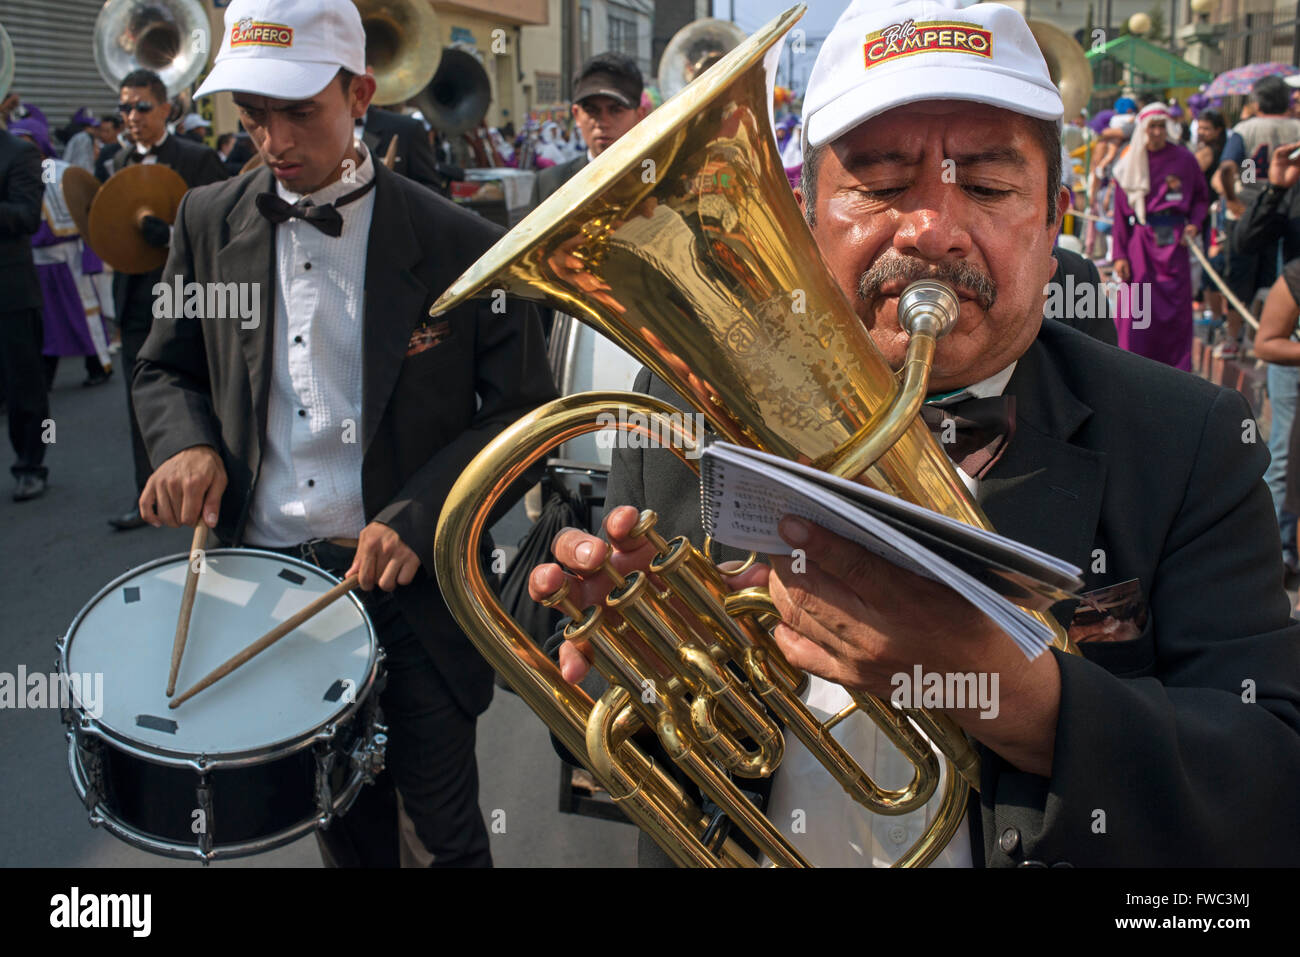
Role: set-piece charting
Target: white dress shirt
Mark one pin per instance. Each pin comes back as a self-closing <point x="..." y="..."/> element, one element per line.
<point x="310" y="481"/>
<point x="80" y="150"/>
<point x="827" y="826"/>
<point x="150" y="158"/>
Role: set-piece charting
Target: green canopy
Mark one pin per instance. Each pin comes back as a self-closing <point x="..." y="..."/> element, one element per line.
<point x="1160" y="67"/>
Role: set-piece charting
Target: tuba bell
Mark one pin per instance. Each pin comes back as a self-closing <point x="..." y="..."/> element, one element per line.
<point x="456" y="100"/>
<point x="6" y="62"/>
<point x="1066" y="63"/>
<point x="170" y="37"/>
<point x="693" y="49"/>
<point x="401" y="45"/>
<point x="708" y="273"/>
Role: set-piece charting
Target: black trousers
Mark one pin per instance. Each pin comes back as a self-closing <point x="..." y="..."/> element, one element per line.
<point x="21" y="341"/>
<point x="1250" y="271"/>
<point x="136" y="322"/>
<point x="92" y="363"/>
<point x="430" y="763"/>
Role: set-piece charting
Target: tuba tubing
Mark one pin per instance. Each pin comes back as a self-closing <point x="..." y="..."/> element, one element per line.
<point x="646" y="794"/>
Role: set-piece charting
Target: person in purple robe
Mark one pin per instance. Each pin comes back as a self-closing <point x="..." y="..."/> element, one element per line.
<point x="73" y="323"/>
<point x="1160" y="204"/>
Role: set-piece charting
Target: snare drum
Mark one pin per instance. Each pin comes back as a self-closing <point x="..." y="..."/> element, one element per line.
<point x="278" y="747"/>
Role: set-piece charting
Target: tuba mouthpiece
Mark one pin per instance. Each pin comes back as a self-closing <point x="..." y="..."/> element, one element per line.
<point x="930" y="306"/>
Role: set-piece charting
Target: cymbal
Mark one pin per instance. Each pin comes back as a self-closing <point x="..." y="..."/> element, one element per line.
<point x="79" y="189"/>
<point x="118" y="209"/>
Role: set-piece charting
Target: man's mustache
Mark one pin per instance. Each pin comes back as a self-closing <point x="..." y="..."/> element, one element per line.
<point x="965" y="277"/>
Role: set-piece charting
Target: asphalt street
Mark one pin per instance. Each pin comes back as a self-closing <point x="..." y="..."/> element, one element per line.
<point x="58" y="552"/>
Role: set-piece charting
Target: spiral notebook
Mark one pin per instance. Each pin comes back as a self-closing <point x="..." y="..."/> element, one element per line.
<point x="744" y="493"/>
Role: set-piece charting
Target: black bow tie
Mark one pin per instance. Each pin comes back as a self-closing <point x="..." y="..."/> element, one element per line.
<point x="325" y="217"/>
<point x="974" y="432"/>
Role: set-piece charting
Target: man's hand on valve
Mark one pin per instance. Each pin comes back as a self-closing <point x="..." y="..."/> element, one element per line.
<point x="854" y="619"/>
<point x="583" y="554"/>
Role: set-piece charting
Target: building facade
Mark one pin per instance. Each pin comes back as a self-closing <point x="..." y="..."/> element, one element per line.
<point x="54" y="62"/>
<point x="600" y="26"/>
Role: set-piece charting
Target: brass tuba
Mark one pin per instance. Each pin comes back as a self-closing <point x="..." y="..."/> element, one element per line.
<point x="169" y="37"/>
<point x="695" y="258"/>
<point x="693" y="49"/>
<point x="6" y="62"/>
<point x="401" y="45"/>
<point x="1066" y="63"/>
<point x="458" y="96"/>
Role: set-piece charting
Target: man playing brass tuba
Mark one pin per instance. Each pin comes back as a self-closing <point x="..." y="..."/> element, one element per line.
<point x="938" y="156"/>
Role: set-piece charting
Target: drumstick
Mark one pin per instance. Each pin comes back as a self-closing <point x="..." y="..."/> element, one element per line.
<point x="390" y="157"/>
<point x="187" y="603"/>
<point x="270" y="638"/>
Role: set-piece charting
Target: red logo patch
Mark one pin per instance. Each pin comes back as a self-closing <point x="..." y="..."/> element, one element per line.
<point x="909" y="38"/>
<point x="249" y="32"/>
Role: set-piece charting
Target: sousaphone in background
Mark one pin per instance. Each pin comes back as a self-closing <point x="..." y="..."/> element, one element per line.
<point x="169" y="37"/>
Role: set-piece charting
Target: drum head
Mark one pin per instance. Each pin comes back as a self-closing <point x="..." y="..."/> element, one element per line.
<point x="277" y="699"/>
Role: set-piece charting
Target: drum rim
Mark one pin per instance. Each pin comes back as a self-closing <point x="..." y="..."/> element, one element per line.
<point x="205" y="761"/>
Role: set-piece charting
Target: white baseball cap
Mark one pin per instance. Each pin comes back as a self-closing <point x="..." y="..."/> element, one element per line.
<point x="882" y="54"/>
<point x="286" y="49"/>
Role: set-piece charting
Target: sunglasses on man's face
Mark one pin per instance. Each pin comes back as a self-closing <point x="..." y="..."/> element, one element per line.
<point x="140" y="106"/>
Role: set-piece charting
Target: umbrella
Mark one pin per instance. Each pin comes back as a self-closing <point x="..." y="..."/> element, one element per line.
<point x="1240" y="81"/>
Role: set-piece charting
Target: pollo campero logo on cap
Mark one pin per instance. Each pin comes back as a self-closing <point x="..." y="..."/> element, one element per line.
<point x="249" y="32"/>
<point x="909" y="38"/>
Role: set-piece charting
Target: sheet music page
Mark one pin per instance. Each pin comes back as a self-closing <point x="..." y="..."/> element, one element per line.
<point x="743" y="498"/>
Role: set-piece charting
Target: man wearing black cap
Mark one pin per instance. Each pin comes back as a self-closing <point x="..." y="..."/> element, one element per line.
<point x="606" y="104"/>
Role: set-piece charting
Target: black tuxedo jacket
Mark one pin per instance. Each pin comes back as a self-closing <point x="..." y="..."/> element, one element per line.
<point x="197" y="164"/>
<point x="414" y="157"/>
<point x="1128" y="469"/>
<point x="1084" y="271"/>
<point x="21" y="193"/>
<point x="425" y="414"/>
<point x="103" y="164"/>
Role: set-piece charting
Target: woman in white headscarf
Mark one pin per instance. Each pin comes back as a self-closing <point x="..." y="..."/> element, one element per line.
<point x="1161" y="201"/>
<point x="550" y="150"/>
